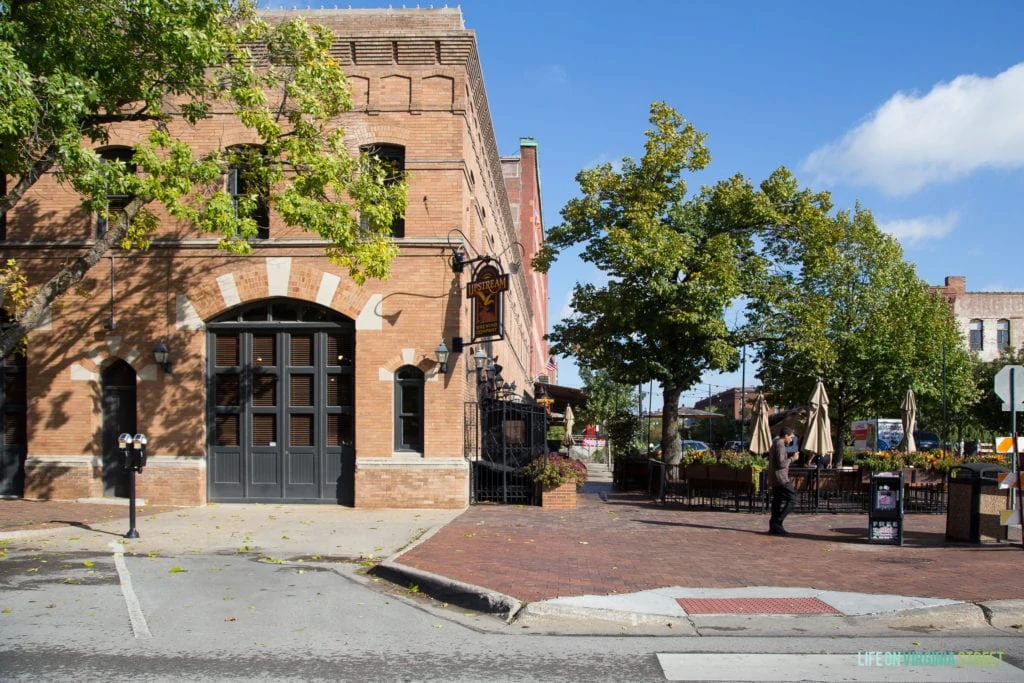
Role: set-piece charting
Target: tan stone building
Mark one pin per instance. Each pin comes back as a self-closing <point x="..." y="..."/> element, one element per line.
<point x="287" y="381"/>
<point x="990" y="321"/>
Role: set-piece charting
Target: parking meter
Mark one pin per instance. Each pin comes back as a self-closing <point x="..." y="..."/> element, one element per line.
<point x="133" y="450"/>
<point x="124" y="444"/>
<point x="139" y="452"/>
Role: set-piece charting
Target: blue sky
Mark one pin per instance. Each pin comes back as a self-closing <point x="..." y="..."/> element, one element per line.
<point x="915" y="109"/>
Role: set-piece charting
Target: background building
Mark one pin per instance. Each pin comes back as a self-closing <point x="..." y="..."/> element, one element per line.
<point x="990" y="321"/>
<point x="287" y="381"/>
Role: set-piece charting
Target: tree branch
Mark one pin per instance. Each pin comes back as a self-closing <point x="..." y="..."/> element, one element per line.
<point x="69" y="276"/>
<point x="102" y="119"/>
<point x="43" y="164"/>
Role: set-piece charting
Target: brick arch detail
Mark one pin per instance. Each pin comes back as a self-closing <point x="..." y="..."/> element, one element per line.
<point x="425" y="363"/>
<point x="379" y="133"/>
<point x="95" y="362"/>
<point x="252" y="283"/>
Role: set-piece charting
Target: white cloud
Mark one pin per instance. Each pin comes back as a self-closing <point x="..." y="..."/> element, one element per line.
<point x="604" y="158"/>
<point x="998" y="287"/>
<point x="916" y="230"/>
<point x="566" y="309"/>
<point x="553" y="74"/>
<point x="959" y="127"/>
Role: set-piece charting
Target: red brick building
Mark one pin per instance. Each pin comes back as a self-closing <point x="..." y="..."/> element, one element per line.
<point x="990" y="321"/>
<point x="730" y="402"/>
<point x="287" y="381"/>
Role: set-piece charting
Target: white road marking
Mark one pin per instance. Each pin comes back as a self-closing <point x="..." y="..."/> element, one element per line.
<point x="874" y="666"/>
<point x="135" y="615"/>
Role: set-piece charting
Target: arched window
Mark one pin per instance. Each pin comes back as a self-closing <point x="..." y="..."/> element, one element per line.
<point x="247" y="187"/>
<point x="1002" y="334"/>
<point x="394" y="157"/>
<point x="409" y="409"/>
<point x="977" y="335"/>
<point x="116" y="200"/>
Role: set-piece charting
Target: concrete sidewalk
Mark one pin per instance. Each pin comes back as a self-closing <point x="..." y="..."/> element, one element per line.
<point x="617" y="559"/>
<point x="288" y="532"/>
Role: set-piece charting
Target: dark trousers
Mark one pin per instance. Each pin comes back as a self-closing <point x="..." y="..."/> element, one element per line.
<point x="783" y="497"/>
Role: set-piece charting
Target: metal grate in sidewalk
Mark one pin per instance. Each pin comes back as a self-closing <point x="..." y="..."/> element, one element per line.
<point x="755" y="606"/>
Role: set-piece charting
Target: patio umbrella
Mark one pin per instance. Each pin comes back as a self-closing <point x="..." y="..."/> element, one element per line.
<point x="761" y="438"/>
<point x="569" y="420"/>
<point x="818" y="438"/>
<point x="909" y="410"/>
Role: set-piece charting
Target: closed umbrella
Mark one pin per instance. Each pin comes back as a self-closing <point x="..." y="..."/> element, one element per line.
<point x="569" y="420"/>
<point x="818" y="439"/>
<point x="761" y="438"/>
<point x="909" y="409"/>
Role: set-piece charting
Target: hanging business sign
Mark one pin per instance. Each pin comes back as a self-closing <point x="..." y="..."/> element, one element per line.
<point x="487" y="291"/>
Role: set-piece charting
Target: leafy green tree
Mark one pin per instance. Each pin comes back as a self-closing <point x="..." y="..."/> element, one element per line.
<point x="72" y="71"/>
<point x="842" y="305"/>
<point x="674" y="264"/>
<point x="609" y="405"/>
<point x="606" y="398"/>
<point x="987" y="417"/>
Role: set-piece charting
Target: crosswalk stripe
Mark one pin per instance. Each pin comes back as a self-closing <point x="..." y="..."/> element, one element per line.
<point x="863" y="666"/>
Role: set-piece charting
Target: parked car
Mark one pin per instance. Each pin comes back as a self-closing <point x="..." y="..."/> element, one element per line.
<point x="697" y="446"/>
<point x="927" y="441"/>
<point x="736" y="445"/>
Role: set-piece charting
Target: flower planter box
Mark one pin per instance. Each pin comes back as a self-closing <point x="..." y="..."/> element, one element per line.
<point x="721" y="473"/>
<point x="928" y="477"/>
<point x="696" y="470"/>
<point x="559" y="498"/>
<point x="749" y="476"/>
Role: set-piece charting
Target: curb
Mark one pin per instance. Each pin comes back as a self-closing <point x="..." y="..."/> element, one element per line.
<point x="1005" y="615"/>
<point x="464" y="595"/>
<point x="959" y="619"/>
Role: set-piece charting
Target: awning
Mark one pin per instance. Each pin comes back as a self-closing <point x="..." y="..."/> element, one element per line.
<point x="562" y="396"/>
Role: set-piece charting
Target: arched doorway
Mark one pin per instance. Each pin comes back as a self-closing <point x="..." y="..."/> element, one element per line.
<point x="118" y="418"/>
<point x="13" y="435"/>
<point x="281" y="404"/>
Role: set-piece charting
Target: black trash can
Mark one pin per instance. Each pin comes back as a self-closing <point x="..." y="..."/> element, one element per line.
<point x="885" y="508"/>
<point x="974" y="503"/>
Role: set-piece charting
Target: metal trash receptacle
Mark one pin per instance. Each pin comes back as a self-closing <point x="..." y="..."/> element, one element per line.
<point x="974" y="503"/>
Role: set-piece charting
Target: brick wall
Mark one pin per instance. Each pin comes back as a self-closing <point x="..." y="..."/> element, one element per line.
<point x="432" y="101"/>
<point x="412" y="487"/>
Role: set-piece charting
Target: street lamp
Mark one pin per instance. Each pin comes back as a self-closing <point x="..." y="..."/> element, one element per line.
<point x="442" y="354"/>
<point x="162" y="356"/>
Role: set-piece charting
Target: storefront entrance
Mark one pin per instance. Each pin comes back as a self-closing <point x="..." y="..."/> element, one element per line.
<point x="280" y="405"/>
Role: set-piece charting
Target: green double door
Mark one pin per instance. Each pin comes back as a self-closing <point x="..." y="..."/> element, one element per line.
<point x="280" y="406"/>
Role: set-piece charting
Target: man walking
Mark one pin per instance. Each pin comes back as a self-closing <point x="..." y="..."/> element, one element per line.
<point x="783" y="492"/>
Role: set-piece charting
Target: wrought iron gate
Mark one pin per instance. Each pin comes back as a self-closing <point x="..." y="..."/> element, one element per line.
<point x="501" y="437"/>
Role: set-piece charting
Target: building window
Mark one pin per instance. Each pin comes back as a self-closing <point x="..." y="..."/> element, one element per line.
<point x="1002" y="334"/>
<point x="247" y="187"/>
<point x="116" y="201"/>
<point x="394" y="157"/>
<point x="977" y="334"/>
<point x="409" y="409"/>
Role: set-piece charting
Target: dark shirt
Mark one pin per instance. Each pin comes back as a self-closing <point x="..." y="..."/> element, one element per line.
<point x="778" y="464"/>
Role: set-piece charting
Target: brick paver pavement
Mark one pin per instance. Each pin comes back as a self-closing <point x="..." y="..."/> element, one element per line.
<point x="626" y="544"/>
<point x="21" y="515"/>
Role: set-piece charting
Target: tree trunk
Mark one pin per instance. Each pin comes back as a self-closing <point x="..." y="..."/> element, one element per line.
<point x="69" y="276"/>
<point x="671" y="446"/>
